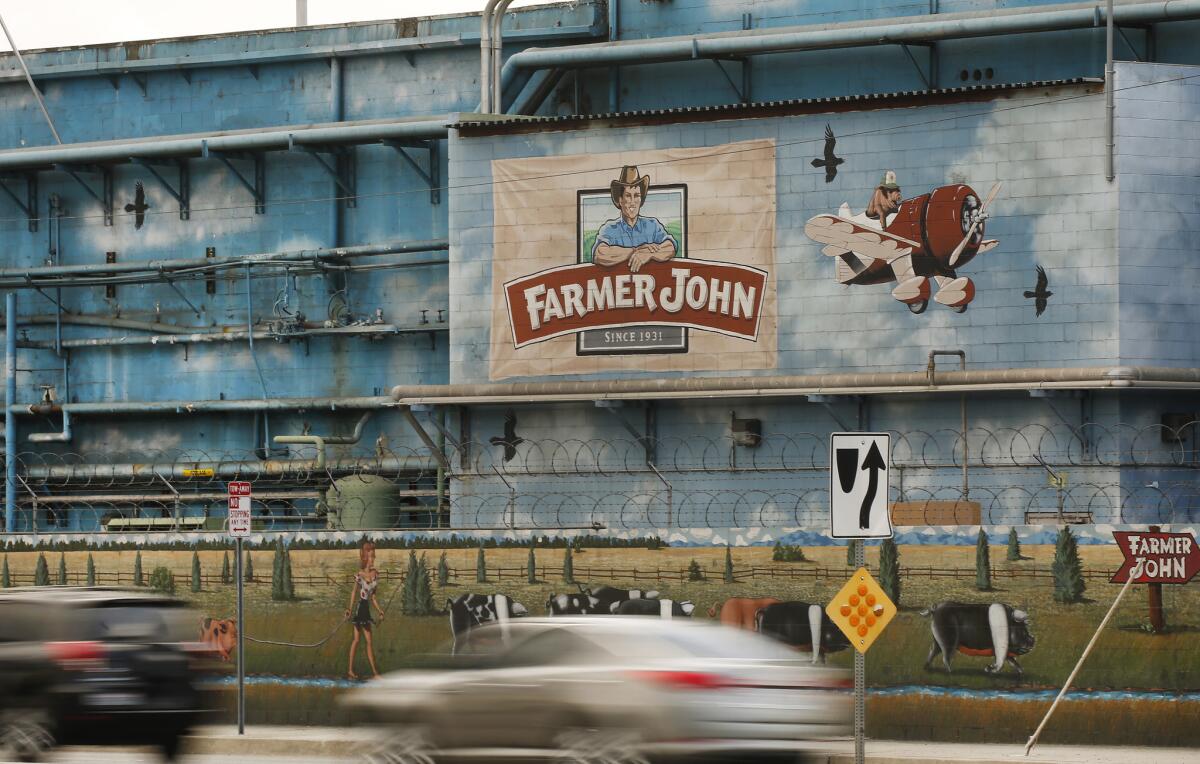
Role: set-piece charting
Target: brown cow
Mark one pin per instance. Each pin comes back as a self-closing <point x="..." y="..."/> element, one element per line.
<point x="739" y="612"/>
<point x="220" y="634"/>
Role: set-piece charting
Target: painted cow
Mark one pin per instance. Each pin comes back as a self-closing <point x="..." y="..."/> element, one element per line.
<point x="470" y="610"/>
<point x="572" y="604"/>
<point x="220" y="634"/>
<point x="803" y="626"/>
<point x="610" y="597"/>
<point x="662" y="608"/>
<point x="997" y="631"/>
<point x="740" y="612"/>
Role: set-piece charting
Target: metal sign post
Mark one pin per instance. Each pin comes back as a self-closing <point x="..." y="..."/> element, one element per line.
<point x="239" y="528"/>
<point x="858" y="509"/>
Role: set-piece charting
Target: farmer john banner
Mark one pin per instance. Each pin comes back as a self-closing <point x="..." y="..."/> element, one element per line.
<point x="649" y="261"/>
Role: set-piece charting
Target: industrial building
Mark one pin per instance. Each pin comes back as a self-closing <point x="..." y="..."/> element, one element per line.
<point x="607" y="266"/>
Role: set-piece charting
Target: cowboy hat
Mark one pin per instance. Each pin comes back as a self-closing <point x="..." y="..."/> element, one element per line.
<point x="889" y="181"/>
<point x="629" y="177"/>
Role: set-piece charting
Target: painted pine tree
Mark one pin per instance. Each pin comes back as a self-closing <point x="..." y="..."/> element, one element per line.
<point x="851" y="549"/>
<point x="480" y="566"/>
<point x="62" y="568"/>
<point x="277" y="572"/>
<point x="1067" y="568"/>
<point x="5" y="576"/>
<point x="531" y="567"/>
<point x="568" y="576"/>
<point x="195" y="571"/>
<point x="728" y="565"/>
<point x="41" y="573"/>
<point x="91" y="570"/>
<point x="289" y="586"/>
<point x="226" y="575"/>
<point x="138" y="578"/>
<point x="443" y="571"/>
<point x="983" y="563"/>
<point x="889" y="570"/>
<point x="248" y="570"/>
<point x="1014" y="546"/>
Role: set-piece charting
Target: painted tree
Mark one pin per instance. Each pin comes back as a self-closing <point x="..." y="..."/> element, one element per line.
<point x="695" y="572"/>
<point x="41" y="573"/>
<point x="1014" y="546"/>
<point x="851" y="556"/>
<point x="5" y="577"/>
<point x="416" y="598"/>
<point x="728" y="565"/>
<point x="277" y="572"/>
<point x="983" y="563"/>
<point x="248" y="569"/>
<point x="138" y="579"/>
<point x="889" y="570"/>
<point x="1067" y="568"/>
<point x="62" y="569"/>
<point x="443" y="571"/>
<point x="480" y="566"/>
<point x="195" y="571"/>
<point x="226" y="576"/>
<point x="91" y="570"/>
<point x="289" y="586"/>
<point x="531" y="567"/>
<point x="162" y="580"/>
<point x="568" y="576"/>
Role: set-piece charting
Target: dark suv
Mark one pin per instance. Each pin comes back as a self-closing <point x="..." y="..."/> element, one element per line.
<point x="96" y="666"/>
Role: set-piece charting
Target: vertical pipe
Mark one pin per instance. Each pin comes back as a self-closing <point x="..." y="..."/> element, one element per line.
<point x="1109" y="103"/>
<point x="441" y="471"/>
<point x="266" y="441"/>
<point x="10" y="420"/>
<point x="614" y="72"/>
<point x="498" y="55"/>
<point x="301" y="13"/>
<point x="860" y="675"/>
<point x="241" y="630"/>
<point x="337" y="107"/>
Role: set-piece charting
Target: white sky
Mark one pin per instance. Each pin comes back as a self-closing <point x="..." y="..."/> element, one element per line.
<point x="56" y="23"/>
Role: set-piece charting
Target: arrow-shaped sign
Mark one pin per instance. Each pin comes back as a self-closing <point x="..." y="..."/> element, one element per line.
<point x="1168" y="558"/>
<point x="874" y="464"/>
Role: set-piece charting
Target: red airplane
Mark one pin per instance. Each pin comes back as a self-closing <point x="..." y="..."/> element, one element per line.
<point x="927" y="238"/>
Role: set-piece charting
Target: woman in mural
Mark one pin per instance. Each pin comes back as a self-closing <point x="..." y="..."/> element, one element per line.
<point x="362" y="597"/>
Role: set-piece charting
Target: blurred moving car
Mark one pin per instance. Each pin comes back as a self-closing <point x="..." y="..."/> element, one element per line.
<point x="83" y="665"/>
<point x="617" y="688"/>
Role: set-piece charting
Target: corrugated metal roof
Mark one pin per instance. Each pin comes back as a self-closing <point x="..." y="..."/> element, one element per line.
<point x="504" y="123"/>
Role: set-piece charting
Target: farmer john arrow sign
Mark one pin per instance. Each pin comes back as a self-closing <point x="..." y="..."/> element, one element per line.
<point x="1169" y="558"/>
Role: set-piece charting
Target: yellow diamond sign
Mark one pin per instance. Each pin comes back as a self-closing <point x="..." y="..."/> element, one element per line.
<point x="861" y="610"/>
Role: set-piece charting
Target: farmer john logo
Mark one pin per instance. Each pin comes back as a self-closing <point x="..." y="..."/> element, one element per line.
<point x="632" y="289"/>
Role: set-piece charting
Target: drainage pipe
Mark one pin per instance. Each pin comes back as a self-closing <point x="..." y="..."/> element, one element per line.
<point x="1110" y="141"/>
<point x="182" y="471"/>
<point x="370" y="331"/>
<point x="485" y="57"/>
<point x="312" y="440"/>
<point x="949" y="26"/>
<point x="200" y="145"/>
<point x="874" y="383"/>
<point x="498" y="54"/>
<point x="10" y="419"/>
<point x="209" y="406"/>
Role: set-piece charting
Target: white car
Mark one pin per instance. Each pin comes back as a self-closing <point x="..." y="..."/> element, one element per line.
<point x="611" y="689"/>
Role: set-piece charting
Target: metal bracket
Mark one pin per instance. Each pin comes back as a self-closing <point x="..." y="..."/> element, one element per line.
<point x="649" y="440"/>
<point x="105" y="196"/>
<point x="184" y="193"/>
<point x="743" y="92"/>
<point x="257" y="189"/>
<point x="445" y="431"/>
<point x="432" y="177"/>
<point x="1148" y="54"/>
<point x="827" y="401"/>
<point x="1081" y="431"/>
<point x="140" y="81"/>
<point x="30" y="205"/>
<point x="929" y="81"/>
<point x="343" y="170"/>
<point x="424" y="436"/>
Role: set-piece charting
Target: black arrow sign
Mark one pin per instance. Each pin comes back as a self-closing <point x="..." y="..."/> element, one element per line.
<point x="875" y="464"/>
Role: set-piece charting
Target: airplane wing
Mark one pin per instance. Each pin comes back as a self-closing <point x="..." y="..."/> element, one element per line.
<point x="841" y="235"/>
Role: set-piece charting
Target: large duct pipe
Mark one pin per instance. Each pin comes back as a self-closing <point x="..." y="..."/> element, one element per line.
<point x="794" y="39"/>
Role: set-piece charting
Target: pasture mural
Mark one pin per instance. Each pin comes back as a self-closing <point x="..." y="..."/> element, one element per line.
<point x="990" y="652"/>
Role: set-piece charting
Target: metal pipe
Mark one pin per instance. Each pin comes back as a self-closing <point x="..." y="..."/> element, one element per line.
<point x="210" y="406"/>
<point x="107" y="322"/>
<point x="163" y="498"/>
<point x="873" y="383"/>
<point x="498" y="54"/>
<point x="127" y="473"/>
<point x="370" y="331"/>
<point x="614" y="72"/>
<point x="949" y="26"/>
<point x="314" y="440"/>
<point x="201" y="145"/>
<point x="352" y="438"/>
<point x="54" y="437"/>
<point x="29" y="78"/>
<point x="1110" y="109"/>
<point x="10" y="419"/>
<point x="254" y="357"/>
<point x="962" y="365"/>
<point x="485" y="57"/>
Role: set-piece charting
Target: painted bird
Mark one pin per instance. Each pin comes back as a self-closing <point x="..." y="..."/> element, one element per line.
<point x="139" y="206"/>
<point x="830" y="162"/>
<point x="1040" y="294"/>
<point x="511" y="439"/>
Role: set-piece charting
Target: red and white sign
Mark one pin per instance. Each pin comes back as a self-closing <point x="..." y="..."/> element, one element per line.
<point x="726" y="298"/>
<point x="1167" y="558"/>
<point x="239" y="509"/>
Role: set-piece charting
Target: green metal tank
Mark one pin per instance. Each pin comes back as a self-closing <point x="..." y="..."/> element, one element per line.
<point x="362" y="502"/>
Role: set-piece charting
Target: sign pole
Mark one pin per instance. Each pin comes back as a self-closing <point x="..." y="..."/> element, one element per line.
<point x="241" y="664"/>
<point x="860" y="676"/>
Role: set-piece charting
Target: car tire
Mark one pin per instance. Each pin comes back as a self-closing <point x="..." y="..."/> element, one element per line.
<point x="597" y="744"/>
<point x="171" y="747"/>
<point x="26" y="733"/>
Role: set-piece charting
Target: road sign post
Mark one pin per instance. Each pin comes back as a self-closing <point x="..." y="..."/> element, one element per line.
<point x="858" y="509"/>
<point x="238" y="526"/>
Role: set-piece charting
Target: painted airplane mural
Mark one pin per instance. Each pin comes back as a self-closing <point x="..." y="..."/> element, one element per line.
<point x="916" y="243"/>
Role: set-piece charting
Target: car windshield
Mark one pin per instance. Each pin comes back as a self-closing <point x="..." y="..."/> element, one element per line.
<point x="701" y="642"/>
<point x="133" y="621"/>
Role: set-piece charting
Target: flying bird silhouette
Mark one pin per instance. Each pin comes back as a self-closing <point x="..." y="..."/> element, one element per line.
<point x="511" y="439"/>
<point x="139" y="206"/>
<point x="1040" y="294"/>
<point x="830" y="162"/>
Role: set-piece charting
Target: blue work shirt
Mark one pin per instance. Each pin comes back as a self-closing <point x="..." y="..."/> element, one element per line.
<point x="618" y="233"/>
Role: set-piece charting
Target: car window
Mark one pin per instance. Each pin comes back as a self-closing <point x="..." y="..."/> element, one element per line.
<point x="552" y="647"/>
<point x="133" y="622"/>
<point x="701" y="642"/>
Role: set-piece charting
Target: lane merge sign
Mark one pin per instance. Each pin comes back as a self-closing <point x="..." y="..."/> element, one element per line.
<point x="1167" y="558"/>
<point x="239" y="509"/>
<point x="858" y="485"/>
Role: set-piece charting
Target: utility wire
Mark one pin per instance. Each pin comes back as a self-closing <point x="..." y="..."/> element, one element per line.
<point x="716" y="153"/>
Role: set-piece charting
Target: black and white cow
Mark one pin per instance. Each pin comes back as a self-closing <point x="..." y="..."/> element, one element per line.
<point x="572" y="604"/>
<point x="610" y="597"/>
<point x="470" y="610"/>
<point x="996" y="630"/>
<point x="803" y="626"/>
<point x="663" y="608"/>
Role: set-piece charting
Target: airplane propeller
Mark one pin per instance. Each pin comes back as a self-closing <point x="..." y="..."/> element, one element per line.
<point x="962" y="245"/>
